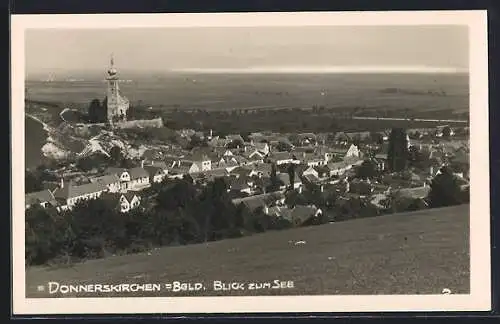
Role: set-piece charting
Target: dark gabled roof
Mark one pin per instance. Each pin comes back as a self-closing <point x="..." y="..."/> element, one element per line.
<point x="254" y="202"/>
<point x="137" y="173"/>
<point x="322" y="169"/>
<point x="241" y="171"/>
<point x="153" y="170"/>
<point x="311" y="178"/>
<point x="281" y="156"/>
<point x="216" y="173"/>
<point x="72" y="191"/>
<point x="130" y="195"/>
<point x="262" y="167"/>
<point x="116" y="171"/>
<point x="303" y="213"/>
<point x="286" y="178"/>
<point x="238" y="183"/>
<point x="159" y="164"/>
<point x="39" y="197"/>
<point x="415" y="193"/>
<point x="106" y="179"/>
<point x="233" y="137"/>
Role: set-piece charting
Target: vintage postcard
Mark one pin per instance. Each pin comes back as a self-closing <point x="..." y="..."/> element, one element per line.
<point x="250" y="162"/>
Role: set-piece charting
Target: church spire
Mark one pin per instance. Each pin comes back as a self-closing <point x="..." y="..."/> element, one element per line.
<point x="112" y="71"/>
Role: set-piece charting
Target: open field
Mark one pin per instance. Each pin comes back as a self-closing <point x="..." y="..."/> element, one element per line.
<point x="271" y="91"/>
<point x="413" y="253"/>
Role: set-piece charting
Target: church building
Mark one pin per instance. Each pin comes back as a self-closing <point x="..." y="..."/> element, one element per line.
<point x="115" y="104"/>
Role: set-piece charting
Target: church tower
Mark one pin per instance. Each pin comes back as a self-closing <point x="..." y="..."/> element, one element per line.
<point x="115" y="104"/>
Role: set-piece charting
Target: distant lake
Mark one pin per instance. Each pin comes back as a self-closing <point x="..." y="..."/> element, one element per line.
<point x="239" y="91"/>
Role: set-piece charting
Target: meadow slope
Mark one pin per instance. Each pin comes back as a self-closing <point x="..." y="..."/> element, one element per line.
<point x="412" y="253"/>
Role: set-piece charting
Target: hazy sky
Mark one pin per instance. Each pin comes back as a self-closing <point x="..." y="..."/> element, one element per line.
<point x="247" y="47"/>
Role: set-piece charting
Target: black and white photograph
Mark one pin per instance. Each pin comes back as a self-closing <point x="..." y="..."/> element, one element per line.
<point x="289" y="162"/>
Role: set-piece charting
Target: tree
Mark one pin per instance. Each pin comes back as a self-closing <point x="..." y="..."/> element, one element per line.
<point x="291" y="174"/>
<point x="246" y="136"/>
<point x="39" y="235"/>
<point x="99" y="228"/>
<point x="116" y="155"/>
<point x="397" y="154"/>
<point x="196" y="141"/>
<point x="32" y="182"/>
<point x="376" y="138"/>
<point x="96" y="112"/>
<point x="275" y="181"/>
<point x="283" y="147"/>
<point x="234" y="144"/>
<point x="446" y="132"/>
<point x="293" y="198"/>
<point x="366" y="170"/>
<point x="445" y="190"/>
<point x="90" y="162"/>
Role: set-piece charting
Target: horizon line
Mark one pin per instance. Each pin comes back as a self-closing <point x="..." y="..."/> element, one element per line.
<point x="324" y="69"/>
<point x="280" y="69"/>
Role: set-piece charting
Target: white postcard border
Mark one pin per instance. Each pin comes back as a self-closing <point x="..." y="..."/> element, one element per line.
<point x="480" y="294"/>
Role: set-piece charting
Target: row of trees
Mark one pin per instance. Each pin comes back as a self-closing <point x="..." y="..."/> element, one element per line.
<point x="174" y="212"/>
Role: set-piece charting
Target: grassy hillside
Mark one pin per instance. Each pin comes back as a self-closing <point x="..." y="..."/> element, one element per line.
<point x="413" y="253"/>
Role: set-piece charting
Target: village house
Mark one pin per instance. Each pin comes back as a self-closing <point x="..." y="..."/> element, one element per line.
<point x="180" y="168"/>
<point x="235" y="138"/>
<point x="261" y="170"/>
<point x="241" y="185"/>
<point x="44" y="198"/>
<point x="216" y="173"/>
<point x="124" y="202"/>
<point x="297" y="216"/>
<point x="315" y="161"/>
<point x="262" y="148"/>
<point x="123" y="175"/>
<point x="241" y="171"/>
<point x="305" y="139"/>
<point x="228" y="162"/>
<point x="200" y="162"/>
<point x="311" y="179"/>
<point x="156" y="174"/>
<point x="139" y="179"/>
<point x="380" y="161"/>
<point x="285" y="178"/>
<point x="341" y="138"/>
<point x="254" y="156"/>
<point x="283" y="158"/>
<point x="419" y="193"/>
<point x="320" y="172"/>
<point x="261" y="201"/>
<point x="111" y="181"/>
<point x="339" y="168"/>
<point x="158" y="164"/>
<point x="68" y="194"/>
<point x="218" y="142"/>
